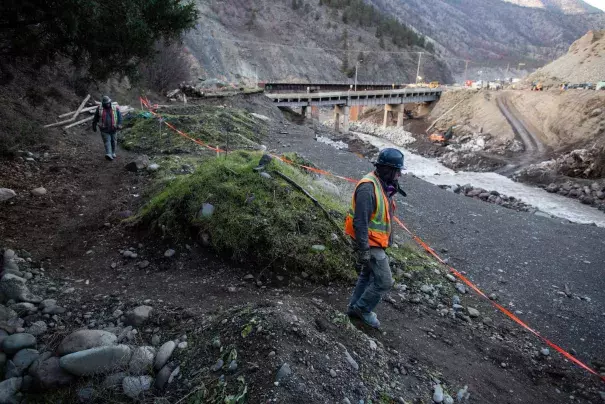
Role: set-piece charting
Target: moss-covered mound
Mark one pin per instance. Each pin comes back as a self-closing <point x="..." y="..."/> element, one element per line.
<point x="253" y="218"/>
<point x="227" y="128"/>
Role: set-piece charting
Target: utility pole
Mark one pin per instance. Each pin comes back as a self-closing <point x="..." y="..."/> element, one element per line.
<point x="465" y="69"/>
<point x="418" y="70"/>
<point x="356" y="66"/>
<point x="507" y="67"/>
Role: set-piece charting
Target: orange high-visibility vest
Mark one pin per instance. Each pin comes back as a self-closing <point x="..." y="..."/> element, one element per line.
<point x="379" y="227"/>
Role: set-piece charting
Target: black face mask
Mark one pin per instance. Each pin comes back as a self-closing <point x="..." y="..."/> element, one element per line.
<point x="387" y="174"/>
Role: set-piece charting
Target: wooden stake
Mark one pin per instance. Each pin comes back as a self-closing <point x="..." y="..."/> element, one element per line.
<point x="80" y="107"/>
<point x="90" y="118"/>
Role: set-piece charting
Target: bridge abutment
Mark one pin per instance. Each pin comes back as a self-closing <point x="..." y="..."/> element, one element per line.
<point x="393" y="108"/>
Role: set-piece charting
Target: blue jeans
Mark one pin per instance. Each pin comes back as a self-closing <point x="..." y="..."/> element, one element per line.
<point x="373" y="282"/>
<point x="109" y="140"/>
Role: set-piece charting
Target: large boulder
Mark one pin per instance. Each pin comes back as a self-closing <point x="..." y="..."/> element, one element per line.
<point x="140" y="163"/>
<point x="48" y="374"/>
<point x="142" y="360"/>
<point x="7" y="314"/>
<point x="85" y="339"/>
<point x="135" y="386"/>
<point x="9" y="389"/>
<point x="96" y="361"/>
<point x="138" y="316"/>
<point x="164" y="354"/>
<point x="24" y="358"/>
<point x="13" y="287"/>
<point x="16" y="342"/>
<point x="6" y="194"/>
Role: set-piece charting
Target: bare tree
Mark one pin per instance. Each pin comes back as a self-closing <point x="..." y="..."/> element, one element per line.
<point x="167" y="68"/>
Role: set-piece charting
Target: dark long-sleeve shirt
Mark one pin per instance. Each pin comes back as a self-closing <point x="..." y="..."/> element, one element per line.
<point x="365" y="205"/>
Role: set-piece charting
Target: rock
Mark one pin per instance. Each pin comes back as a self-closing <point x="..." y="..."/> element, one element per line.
<point x="438" y="393"/>
<point x="447" y="399"/>
<point x="164" y="353"/>
<point x="427" y="288"/>
<point x="169" y="253"/>
<point x="86" y="394"/>
<point x="450" y="277"/>
<point x="218" y="365"/>
<point x="19" y="308"/>
<point x="11" y="370"/>
<point x="135" y="386"/>
<point x="9" y="389"/>
<point x="142" y="360"/>
<point x="85" y="339"/>
<point x="545" y="351"/>
<point x="96" y="361"/>
<point x="462" y="394"/>
<point x="488" y="321"/>
<point x="138" y="316"/>
<point x="140" y="163"/>
<point x="249" y="277"/>
<point x="16" y="342"/>
<point x="283" y="372"/>
<point x="144" y="264"/>
<point x="455" y="299"/>
<point x="36" y="329"/>
<point x="351" y="361"/>
<point x="373" y="345"/>
<point x="457" y="307"/>
<point x="24" y="358"/>
<point x="39" y="191"/>
<point x="153" y="167"/>
<point x="472" y="312"/>
<point x="461" y="288"/>
<point x="7" y="314"/>
<point x="13" y="288"/>
<point x="595" y="112"/>
<point x="47" y="373"/>
<point x="129" y="254"/>
<point x="161" y="380"/>
<point x="552" y="188"/>
<point x="333" y="373"/>
<point x="6" y="194"/>
<point x="114" y="382"/>
<point x="207" y="210"/>
<point x="587" y="200"/>
<point x="232" y="366"/>
<point x="484" y="196"/>
<point x="182" y="345"/>
<point x="265" y="175"/>
<point x="155" y="340"/>
<point x="318" y="248"/>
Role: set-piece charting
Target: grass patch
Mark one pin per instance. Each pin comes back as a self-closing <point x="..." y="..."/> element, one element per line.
<point x="261" y="221"/>
<point x="227" y="128"/>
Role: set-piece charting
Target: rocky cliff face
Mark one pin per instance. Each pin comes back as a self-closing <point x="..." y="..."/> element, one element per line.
<point x="241" y="39"/>
<point x="564" y="6"/>
<point x="494" y="32"/>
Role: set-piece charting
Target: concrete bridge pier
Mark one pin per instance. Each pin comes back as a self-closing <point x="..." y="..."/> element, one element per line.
<point x="303" y="112"/>
<point x="344" y="111"/>
<point x="395" y="108"/>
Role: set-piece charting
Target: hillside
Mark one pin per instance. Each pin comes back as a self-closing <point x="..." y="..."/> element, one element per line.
<point x="584" y="62"/>
<point x="565" y="6"/>
<point x="493" y="32"/>
<point x="283" y="41"/>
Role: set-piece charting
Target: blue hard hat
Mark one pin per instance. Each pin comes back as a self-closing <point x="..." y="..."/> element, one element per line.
<point x="390" y="157"/>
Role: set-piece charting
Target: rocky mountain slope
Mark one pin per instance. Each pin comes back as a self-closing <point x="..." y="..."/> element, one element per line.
<point x="584" y="62"/>
<point x="299" y="40"/>
<point x="492" y="32"/>
<point x="565" y="6"/>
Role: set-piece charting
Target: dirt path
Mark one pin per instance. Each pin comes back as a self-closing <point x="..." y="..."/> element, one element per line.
<point x="534" y="148"/>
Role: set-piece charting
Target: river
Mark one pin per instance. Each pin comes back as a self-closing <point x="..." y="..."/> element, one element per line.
<point x="431" y="170"/>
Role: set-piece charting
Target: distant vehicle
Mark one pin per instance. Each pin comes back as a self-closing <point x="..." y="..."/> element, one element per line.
<point x="536" y="86"/>
<point x="477" y="84"/>
<point x="600" y="85"/>
<point x="433" y="84"/>
<point x="468" y="83"/>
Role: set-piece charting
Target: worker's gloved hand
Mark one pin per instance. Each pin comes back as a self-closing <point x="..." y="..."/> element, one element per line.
<point x="363" y="258"/>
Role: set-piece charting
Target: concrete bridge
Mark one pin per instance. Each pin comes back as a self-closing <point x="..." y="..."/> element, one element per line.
<point x="346" y="103"/>
<point x="327" y="86"/>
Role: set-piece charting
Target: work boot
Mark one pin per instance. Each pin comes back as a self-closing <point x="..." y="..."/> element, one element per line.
<point x="108" y="157"/>
<point x="369" y="318"/>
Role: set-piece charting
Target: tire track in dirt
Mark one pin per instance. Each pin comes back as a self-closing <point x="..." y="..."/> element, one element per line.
<point x="534" y="148"/>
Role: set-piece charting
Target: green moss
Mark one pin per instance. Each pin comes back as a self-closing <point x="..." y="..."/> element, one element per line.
<point x="227" y="128"/>
<point x="265" y="222"/>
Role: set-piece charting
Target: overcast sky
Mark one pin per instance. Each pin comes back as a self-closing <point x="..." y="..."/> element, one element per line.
<point x="597" y="3"/>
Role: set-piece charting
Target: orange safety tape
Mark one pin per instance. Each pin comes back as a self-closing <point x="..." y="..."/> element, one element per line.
<point x="418" y="240"/>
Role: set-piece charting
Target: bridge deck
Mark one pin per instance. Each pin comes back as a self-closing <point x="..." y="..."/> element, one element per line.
<point x="350" y="98"/>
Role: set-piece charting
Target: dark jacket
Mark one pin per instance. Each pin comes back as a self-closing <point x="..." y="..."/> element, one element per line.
<point x="365" y="205"/>
<point x="105" y="126"/>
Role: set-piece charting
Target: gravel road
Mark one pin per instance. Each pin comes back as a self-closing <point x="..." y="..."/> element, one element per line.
<point x="525" y="259"/>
